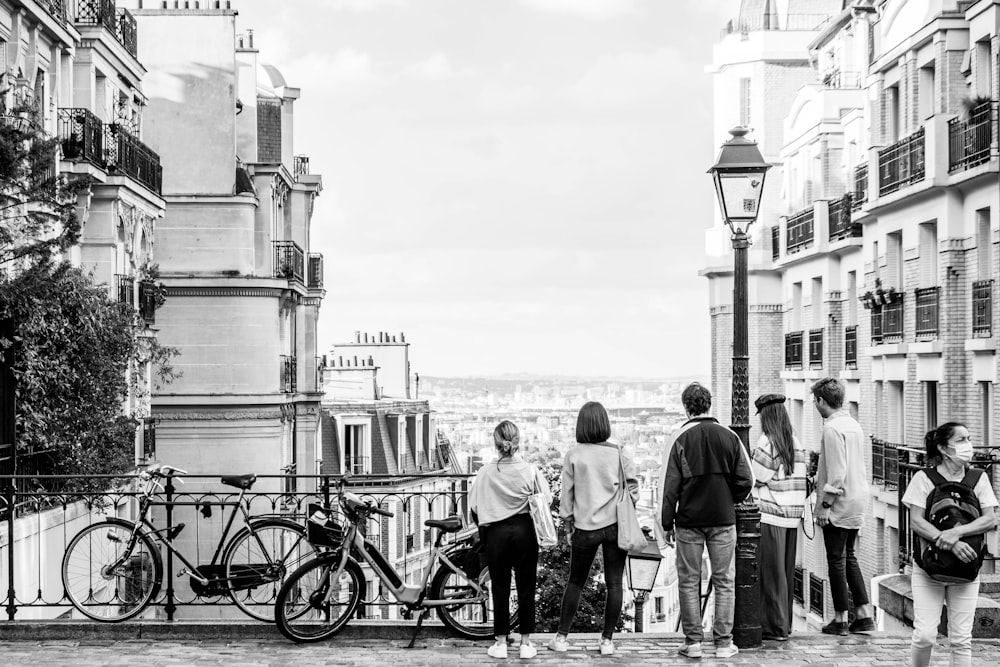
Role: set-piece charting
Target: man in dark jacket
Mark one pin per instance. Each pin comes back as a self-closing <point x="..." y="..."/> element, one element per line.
<point x="708" y="473"/>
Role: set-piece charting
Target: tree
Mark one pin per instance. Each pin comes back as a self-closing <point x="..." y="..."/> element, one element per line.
<point x="553" y="575"/>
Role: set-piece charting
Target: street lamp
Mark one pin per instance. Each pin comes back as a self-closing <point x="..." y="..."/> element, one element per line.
<point x="739" y="183"/>
<point x="642" y="569"/>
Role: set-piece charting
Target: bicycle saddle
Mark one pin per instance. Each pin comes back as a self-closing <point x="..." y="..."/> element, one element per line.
<point x="239" y="481"/>
<point x="452" y="524"/>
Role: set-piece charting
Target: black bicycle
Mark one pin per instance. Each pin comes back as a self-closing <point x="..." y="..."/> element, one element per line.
<point x="112" y="570"/>
<point x="319" y="598"/>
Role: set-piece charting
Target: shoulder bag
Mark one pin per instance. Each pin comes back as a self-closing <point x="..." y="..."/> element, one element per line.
<point x="541" y="515"/>
<point x="630" y="535"/>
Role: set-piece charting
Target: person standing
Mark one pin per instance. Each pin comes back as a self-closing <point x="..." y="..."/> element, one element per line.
<point x="588" y="505"/>
<point x="499" y="503"/>
<point x="708" y="473"/>
<point x="949" y="451"/>
<point x="779" y="466"/>
<point x="841" y="500"/>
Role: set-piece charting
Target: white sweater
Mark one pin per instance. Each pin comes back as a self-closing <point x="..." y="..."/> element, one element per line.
<point x="590" y="482"/>
<point x="501" y="489"/>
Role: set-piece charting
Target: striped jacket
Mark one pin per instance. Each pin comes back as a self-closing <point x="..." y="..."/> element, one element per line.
<point x="781" y="496"/>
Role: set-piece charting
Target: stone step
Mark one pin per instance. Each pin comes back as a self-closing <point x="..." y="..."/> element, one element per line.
<point x="896" y="599"/>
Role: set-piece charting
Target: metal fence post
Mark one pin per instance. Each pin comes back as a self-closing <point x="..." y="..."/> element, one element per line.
<point x="170" y="607"/>
<point x="9" y="493"/>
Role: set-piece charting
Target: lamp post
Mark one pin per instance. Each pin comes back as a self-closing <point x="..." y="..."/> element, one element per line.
<point x="642" y="569"/>
<point x="739" y="183"/>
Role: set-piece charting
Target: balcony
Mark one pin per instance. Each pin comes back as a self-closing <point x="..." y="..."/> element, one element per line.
<point x="287" y="376"/>
<point x="150" y="296"/>
<point x="82" y="136"/>
<point x="57" y="9"/>
<point x="775" y="242"/>
<point x="885" y="463"/>
<point x="315" y="270"/>
<point x="969" y="140"/>
<point x="837" y="78"/>
<point x="851" y="346"/>
<point x="982" y="308"/>
<point x="892" y="321"/>
<point x="876" y="325"/>
<point x="793" y="350"/>
<point x="815" y="348"/>
<point x="901" y="164"/>
<point x="126" y="289"/>
<point x="289" y="261"/>
<point x="301" y="166"/>
<point x="799" y="231"/>
<point x="926" y="303"/>
<point x="841" y="226"/>
<point x="860" y="195"/>
<point x="124" y="153"/>
<point x="119" y="22"/>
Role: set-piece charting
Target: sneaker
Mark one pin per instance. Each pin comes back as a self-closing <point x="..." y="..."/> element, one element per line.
<point x="767" y="636"/>
<point x="607" y="647"/>
<point x="862" y="625"/>
<point x="498" y="651"/>
<point x="690" y="650"/>
<point x="528" y="651"/>
<point x="835" y="628"/>
<point x="727" y="651"/>
<point x="559" y="644"/>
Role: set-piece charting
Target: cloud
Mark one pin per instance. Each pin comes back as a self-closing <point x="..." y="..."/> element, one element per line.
<point x="636" y="80"/>
<point x="589" y="9"/>
<point x="366" y="5"/>
<point x="436" y="67"/>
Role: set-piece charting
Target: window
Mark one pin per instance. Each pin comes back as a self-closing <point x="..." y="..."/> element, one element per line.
<point x="928" y="255"/>
<point x="894" y="260"/>
<point x="930" y="405"/>
<point x="985" y="412"/>
<point x="355" y="438"/>
<point x="894" y="406"/>
<point x="745" y="101"/>
<point x="925" y="92"/>
<point x="982" y="69"/>
<point x="984" y="245"/>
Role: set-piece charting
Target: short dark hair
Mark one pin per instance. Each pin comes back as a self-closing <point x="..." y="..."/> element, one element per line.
<point x="697" y="399"/>
<point x="830" y="390"/>
<point x="592" y="424"/>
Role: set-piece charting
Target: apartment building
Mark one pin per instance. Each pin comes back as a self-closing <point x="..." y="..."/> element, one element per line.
<point x="884" y="245"/>
<point x="233" y="247"/>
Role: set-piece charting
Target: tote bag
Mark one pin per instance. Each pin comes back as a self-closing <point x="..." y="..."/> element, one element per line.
<point x="538" y="507"/>
<point x="630" y="535"/>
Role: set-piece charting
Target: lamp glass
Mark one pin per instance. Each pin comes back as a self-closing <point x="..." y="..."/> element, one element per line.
<point x="642" y="570"/>
<point x="739" y="195"/>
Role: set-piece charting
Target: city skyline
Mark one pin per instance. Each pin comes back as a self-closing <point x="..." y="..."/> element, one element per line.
<point x="505" y="176"/>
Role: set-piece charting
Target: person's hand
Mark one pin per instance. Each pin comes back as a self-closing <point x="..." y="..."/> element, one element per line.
<point x="823" y="517"/>
<point x="965" y="553"/>
<point x="570" y="529"/>
<point x="668" y="536"/>
<point x="947" y="539"/>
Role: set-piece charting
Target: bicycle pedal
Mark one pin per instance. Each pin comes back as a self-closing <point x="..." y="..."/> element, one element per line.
<point x="184" y="571"/>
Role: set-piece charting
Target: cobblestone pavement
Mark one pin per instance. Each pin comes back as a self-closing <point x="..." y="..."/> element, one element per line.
<point x="814" y="650"/>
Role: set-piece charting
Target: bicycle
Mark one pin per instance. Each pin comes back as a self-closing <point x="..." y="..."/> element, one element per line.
<point x="318" y="599"/>
<point x="112" y="570"/>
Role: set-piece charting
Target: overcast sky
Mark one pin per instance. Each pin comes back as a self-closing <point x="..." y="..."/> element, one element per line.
<point x="519" y="185"/>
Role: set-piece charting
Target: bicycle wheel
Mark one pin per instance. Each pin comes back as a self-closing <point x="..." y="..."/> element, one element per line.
<point x="308" y="610"/>
<point x="96" y="590"/>
<point x="257" y="564"/>
<point x="472" y="614"/>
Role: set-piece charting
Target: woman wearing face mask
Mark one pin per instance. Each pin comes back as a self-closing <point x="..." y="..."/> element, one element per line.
<point x="949" y="450"/>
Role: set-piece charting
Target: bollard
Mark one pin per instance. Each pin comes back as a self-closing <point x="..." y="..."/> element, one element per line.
<point x="746" y="620"/>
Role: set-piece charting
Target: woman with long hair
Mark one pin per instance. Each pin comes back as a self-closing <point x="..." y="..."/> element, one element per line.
<point x="949" y="451"/>
<point x="499" y="504"/>
<point x="779" y="466"/>
<point x="588" y="506"/>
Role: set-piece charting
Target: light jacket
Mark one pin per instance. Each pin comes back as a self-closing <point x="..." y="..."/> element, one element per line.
<point x="590" y="484"/>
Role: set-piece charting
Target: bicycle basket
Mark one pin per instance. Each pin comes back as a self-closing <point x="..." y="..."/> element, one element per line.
<point x="322" y="528"/>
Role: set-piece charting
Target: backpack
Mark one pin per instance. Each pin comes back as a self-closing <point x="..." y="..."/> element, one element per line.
<point x="951" y="504"/>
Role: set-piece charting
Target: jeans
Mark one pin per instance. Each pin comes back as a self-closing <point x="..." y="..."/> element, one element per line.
<point x="511" y="545"/>
<point x="928" y="597"/>
<point x="845" y="573"/>
<point x="776" y="563"/>
<point x="585" y="543"/>
<point x="721" y="543"/>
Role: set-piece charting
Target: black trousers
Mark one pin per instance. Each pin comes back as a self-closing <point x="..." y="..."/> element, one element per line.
<point x="585" y="545"/>
<point x="511" y="546"/>
<point x="776" y="562"/>
<point x="845" y="573"/>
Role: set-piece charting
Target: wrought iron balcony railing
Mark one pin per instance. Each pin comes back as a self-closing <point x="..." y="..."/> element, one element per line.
<point x="798" y="585"/>
<point x="289" y="260"/>
<point x="901" y="164"/>
<point x="149" y="297"/>
<point x="816" y="599"/>
<point x="126" y="289"/>
<point x="126" y="154"/>
<point x="57" y="9"/>
<point x="119" y="22"/>
<point x="851" y="346"/>
<point x="82" y="136"/>
<point x="301" y="166"/>
<point x="892" y="321"/>
<point x="775" y="21"/>
<point x="126" y="31"/>
<point x="815" y="348"/>
<point x="315" y="269"/>
<point x="860" y="195"/>
<point x="793" y="350"/>
<point x="982" y="308"/>
<point x="287" y="376"/>
<point x="876" y="325"/>
<point x="841" y="226"/>
<point x="775" y="242"/>
<point x="969" y="140"/>
<point x="799" y="234"/>
<point x="927" y="311"/>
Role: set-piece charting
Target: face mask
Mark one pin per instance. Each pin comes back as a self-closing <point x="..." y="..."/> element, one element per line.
<point x="963" y="452"/>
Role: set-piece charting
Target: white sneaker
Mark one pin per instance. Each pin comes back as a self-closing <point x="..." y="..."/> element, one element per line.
<point x="690" y="651"/>
<point x="607" y="647"/>
<point x="559" y="644"/>
<point x="528" y="651"/>
<point x="498" y="651"/>
<point x="726" y="651"/>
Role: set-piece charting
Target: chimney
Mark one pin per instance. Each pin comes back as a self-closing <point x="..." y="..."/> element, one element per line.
<point x="355" y="360"/>
<point x="371" y="362"/>
<point x="380" y="336"/>
<point x="366" y="336"/>
<point x="402" y="338"/>
<point x="357" y="336"/>
<point x="393" y="339"/>
<point x="250" y="38"/>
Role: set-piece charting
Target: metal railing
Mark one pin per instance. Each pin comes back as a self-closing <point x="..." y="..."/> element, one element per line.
<point x="149" y="292"/>
<point x="876" y="325"/>
<point x="81" y="134"/>
<point x="837" y="78"/>
<point x="126" y="289"/>
<point x="841" y="226"/>
<point x="798" y="585"/>
<point x="30" y="589"/>
<point x="926" y="303"/>
<point x="982" y="308"/>
<point x="775" y="21"/>
<point x="289" y="260"/>
<point x="287" y="380"/>
<point x="969" y="139"/>
<point x="119" y="22"/>
<point x="775" y="242"/>
<point x="892" y="321"/>
<point x="793" y="350"/>
<point x="300" y="166"/>
<point x="901" y="164"/>
<point x="851" y="346"/>
<point x="126" y="154"/>
<point x="799" y="231"/>
<point x="860" y="195"/>
<point x="149" y="438"/>
<point x="57" y="9"/>
<point x="816" y="600"/>
<point x="884" y="458"/>
<point x="126" y="31"/>
<point x="815" y="348"/>
<point x="315" y="269"/>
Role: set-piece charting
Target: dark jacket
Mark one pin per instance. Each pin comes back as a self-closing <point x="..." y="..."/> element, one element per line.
<point x="708" y="472"/>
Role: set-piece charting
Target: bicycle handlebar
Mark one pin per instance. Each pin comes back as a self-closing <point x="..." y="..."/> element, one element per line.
<point x="378" y="510"/>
